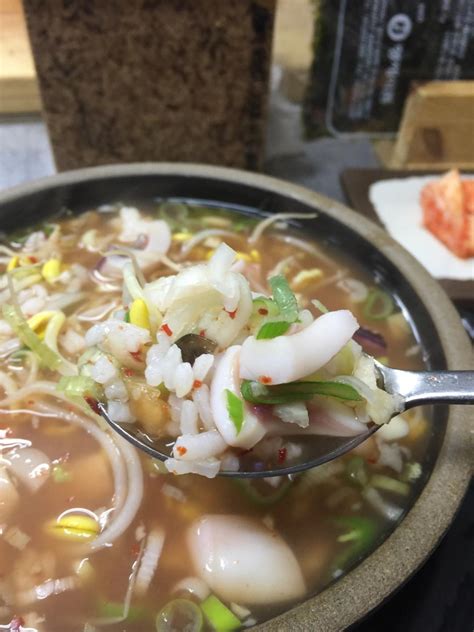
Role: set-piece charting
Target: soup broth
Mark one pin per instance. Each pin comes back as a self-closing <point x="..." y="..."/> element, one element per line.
<point x="94" y="533"/>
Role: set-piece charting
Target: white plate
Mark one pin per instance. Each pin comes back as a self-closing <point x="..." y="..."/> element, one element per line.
<point x="397" y="204"/>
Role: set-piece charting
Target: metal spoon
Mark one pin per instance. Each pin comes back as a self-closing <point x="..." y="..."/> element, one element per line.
<point x="414" y="388"/>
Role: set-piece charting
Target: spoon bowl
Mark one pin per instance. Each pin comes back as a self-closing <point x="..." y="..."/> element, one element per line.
<point x="411" y="388"/>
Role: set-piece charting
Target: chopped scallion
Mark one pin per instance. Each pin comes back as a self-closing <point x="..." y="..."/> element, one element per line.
<point x="258" y="393"/>
<point x="235" y="408"/>
<point x="378" y="305"/>
<point x="272" y="330"/>
<point x="80" y="386"/>
<point x="61" y="475"/>
<point x="284" y="298"/>
<point x="389" y="484"/>
<point x="219" y="616"/>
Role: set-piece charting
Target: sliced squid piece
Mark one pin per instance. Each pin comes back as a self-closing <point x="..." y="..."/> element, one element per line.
<point x="226" y="377"/>
<point x="9" y="496"/>
<point x="288" y="358"/>
<point x="243" y="561"/>
<point x="329" y="418"/>
<point x="30" y="466"/>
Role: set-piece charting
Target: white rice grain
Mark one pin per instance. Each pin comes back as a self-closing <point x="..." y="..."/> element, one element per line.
<point x="119" y="412"/>
<point x="207" y="467"/>
<point x="199" y="447"/>
<point x="201" y="398"/>
<point x="116" y="389"/>
<point x="183" y="378"/>
<point x="202" y="365"/>
<point x="103" y="370"/>
<point x="189" y="418"/>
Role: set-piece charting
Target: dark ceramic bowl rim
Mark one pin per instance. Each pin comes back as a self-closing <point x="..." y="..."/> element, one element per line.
<point x="365" y="587"/>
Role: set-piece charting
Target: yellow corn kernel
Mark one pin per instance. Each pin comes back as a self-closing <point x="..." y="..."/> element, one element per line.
<point x="51" y="270"/>
<point x="243" y="256"/>
<point x="139" y="314"/>
<point x="305" y="277"/>
<point x="73" y="527"/>
<point x="182" y="236"/>
<point x="39" y="321"/>
<point x="13" y="263"/>
<point x="255" y="256"/>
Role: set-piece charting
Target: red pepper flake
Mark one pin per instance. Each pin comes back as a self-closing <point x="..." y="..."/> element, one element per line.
<point x="181" y="450"/>
<point x="93" y="404"/>
<point x="166" y="329"/>
<point x="202" y="333"/>
<point x="32" y="259"/>
<point x="136" y="355"/>
<point x="135" y="550"/>
<point x="231" y="314"/>
<point x="16" y="624"/>
<point x="281" y="455"/>
<point x="371" y="461"/>
<point x="264" y="379"/>
<point x="197" y="384"/>
<point x="263" y="311"/>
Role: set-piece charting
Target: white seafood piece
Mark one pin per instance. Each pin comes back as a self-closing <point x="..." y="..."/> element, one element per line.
<point x="9" y="496"/>
<point x="243" y="561"/>
<point x="204" y="297"/>
<point x="329" y="418"/>
<point x="288" y="358"/>
<point x="119" y="339"/>
<point x="157" y="232"/>
<point x="226" y="377"/>
<point x="334" y="419"/>
<point x="30" y="466"/>
<point x="206" y="467"/>
<point x="199" y="446"/>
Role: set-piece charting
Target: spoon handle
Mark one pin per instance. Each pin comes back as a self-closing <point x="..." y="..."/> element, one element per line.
<point x="430" y="387"/>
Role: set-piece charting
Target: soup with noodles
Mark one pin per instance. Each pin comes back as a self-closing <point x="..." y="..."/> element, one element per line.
<point x="118" y="306"/>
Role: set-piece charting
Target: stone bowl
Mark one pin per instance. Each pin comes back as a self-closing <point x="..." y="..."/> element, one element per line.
<point x="433" y="317"/>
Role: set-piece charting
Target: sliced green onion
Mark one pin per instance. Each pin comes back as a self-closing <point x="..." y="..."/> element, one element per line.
<point x="272" y="330"/>
<point x="360" y="532"/>
<point x="27" y="336"/>
<point x="61" y="475"/>
<point x="80" y="386"/>
<point x="378" y="305"/>
<point x="284" y="298"/>
<point x="264" y="304"/>
<point x="180" y="614"/>
<point x="389" y="484"/>
<point x="258" y="393"/>
<point x="126" y="318"/>
<point x="235" y="408"/>
<point x="356" y="471"/>
<point x="219" y="616"/>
